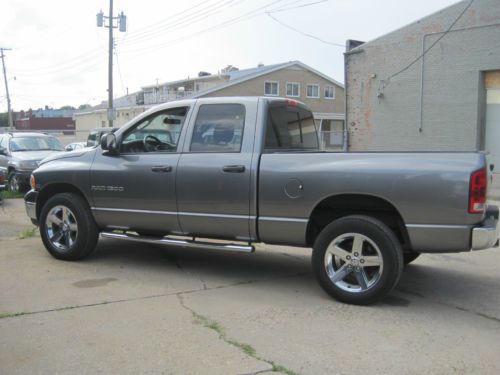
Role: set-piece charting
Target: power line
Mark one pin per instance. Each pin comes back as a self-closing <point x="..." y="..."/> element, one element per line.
<point x="181" y="22"/>
<point x="388" y="79"/>
<point x="119" y="70"/>
<point x="298" y="6"/>
<point x="303" y="33"/>
<point x="232" y="21"/>
<point x="155" y="25"/>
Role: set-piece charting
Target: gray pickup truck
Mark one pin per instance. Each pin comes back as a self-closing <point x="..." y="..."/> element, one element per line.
<point x="249" y="169"/>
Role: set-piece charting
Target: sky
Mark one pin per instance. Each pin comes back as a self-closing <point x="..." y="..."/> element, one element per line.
<point x="60" y="57"/>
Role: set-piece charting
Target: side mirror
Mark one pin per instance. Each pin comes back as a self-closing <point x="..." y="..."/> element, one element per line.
<point x="3" y="151"/>
<point x="109" y="143"/>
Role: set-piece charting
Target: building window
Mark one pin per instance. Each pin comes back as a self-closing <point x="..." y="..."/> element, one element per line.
<point x="312" y="91"/>
<point x="271" y="88"/>
<point x="293" y="89"/>
<point x="330" y="92"/>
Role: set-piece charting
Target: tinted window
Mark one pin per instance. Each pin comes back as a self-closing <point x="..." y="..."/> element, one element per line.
<point x="159" y="132"/>
<point x="290" y="128"/>
<point x="218" y="128"/>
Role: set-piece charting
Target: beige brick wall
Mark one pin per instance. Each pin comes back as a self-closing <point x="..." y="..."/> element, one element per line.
<point x="255" y="87"/>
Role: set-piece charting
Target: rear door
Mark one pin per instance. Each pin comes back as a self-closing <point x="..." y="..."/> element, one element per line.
<point x="215" y="170"/>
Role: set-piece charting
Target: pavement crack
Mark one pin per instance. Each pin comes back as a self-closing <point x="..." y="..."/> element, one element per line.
<point x="204" y="288"/>
<point x="478" y="313"/>
<point x="244" y="347"/>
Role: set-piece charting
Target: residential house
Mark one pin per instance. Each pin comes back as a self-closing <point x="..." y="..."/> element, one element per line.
<point x="296" y="80"/>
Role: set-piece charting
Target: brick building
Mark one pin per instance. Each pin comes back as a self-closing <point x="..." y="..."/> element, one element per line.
<point x="423" y="87"/>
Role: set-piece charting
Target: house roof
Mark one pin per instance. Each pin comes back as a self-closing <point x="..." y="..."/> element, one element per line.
<point x="239" y="76"/>
<point x="197" y="79"/>
<point x="234" y="77"/>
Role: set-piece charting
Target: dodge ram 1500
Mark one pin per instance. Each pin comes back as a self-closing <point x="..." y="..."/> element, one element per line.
<point x="249" y="169"/>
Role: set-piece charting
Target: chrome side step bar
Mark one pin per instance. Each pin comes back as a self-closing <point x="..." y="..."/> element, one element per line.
<point x="179" y="243"/>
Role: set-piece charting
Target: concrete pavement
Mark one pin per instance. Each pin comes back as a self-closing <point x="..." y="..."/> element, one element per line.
<point x="133" y="308"/>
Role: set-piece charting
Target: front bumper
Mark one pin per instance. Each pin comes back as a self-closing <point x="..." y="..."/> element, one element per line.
<point x="30" y="200"/>
<point x="486" y="235"/>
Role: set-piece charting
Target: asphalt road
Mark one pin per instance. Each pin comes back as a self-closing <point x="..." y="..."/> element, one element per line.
<point x="134" y="308"/>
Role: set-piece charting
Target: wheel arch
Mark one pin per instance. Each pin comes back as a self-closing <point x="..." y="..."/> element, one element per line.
<point x="341" y="205"/>
<point x="49" y="191"/>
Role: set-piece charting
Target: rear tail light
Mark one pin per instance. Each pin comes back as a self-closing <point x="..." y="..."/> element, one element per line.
<point x="477" y="191"/>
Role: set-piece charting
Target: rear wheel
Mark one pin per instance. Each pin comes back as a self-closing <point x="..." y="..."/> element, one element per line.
<point x="14" y="183"/>
<point x="357" y="260"/>
<point x="67" y="227"/>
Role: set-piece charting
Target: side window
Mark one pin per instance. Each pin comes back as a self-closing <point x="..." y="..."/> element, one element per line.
<point x="159" y="132"/>
<point x="218" y="128"/>
<point x="290" y="128"/>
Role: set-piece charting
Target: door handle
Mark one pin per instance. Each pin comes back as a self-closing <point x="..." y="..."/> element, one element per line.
<point x="234" y="168"/>
<point x="161" y="168"/>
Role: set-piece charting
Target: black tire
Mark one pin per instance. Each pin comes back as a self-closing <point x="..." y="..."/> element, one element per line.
<point x="83" y="242"/>
<point x="410" y="257"/>
<point x="13" y="182"/>
<point x="387" y="252"/>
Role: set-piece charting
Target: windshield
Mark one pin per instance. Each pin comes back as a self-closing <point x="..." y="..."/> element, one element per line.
<point x="35" y="144"/>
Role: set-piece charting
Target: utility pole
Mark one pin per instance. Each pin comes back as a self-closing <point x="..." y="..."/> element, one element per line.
<point x="122" y="25"/>
<point x="9" y="109"/>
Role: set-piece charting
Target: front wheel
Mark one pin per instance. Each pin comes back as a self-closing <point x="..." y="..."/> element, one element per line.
<point x="67" y="227"/>
<point x="357" y="260"/>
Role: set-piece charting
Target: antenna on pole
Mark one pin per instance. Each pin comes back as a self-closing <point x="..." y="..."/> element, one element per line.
<point x="122" y="25"/>
<point x="9" y="109"/>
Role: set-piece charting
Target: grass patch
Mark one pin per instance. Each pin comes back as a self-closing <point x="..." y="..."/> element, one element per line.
<point x="27" y="233"/>
<point x="246" y="348"/>
<point x="11" y="315"/>
<point x="7" y="194"/>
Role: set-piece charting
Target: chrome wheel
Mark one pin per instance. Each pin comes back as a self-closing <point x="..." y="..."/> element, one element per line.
<point x="353" y="262"/>
<point x="61" y="227"/>
<point x="14" y="183"/>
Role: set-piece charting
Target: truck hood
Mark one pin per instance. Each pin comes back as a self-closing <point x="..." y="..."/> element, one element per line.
<point x="66" y="155"/>
<point x="33" y="155"/>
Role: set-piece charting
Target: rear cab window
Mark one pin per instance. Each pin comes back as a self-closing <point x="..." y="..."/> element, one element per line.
<point x="290" y="128"/>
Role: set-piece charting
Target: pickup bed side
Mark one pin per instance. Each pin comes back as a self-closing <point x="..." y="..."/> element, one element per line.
<point x="427" y="191"/>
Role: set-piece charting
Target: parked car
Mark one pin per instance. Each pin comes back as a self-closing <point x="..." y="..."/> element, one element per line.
<point x="95" y="135"/>
<point x="3" y="179"/>
<point x="21" y="153"/>
<point x="75" y="146"/>
<point x="260" y="177"/>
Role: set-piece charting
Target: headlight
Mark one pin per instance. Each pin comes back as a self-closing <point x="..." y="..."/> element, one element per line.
<point x="28" y="165"/>
<point x="32" y="182"/>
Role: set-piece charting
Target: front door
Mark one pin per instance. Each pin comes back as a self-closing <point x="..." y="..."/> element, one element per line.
<point x="213" y="178"/>
<point x="135" y="189"/>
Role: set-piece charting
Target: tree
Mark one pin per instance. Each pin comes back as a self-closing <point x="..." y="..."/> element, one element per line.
<point x="84" y="106"/>
<point x="67" y="107"/>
